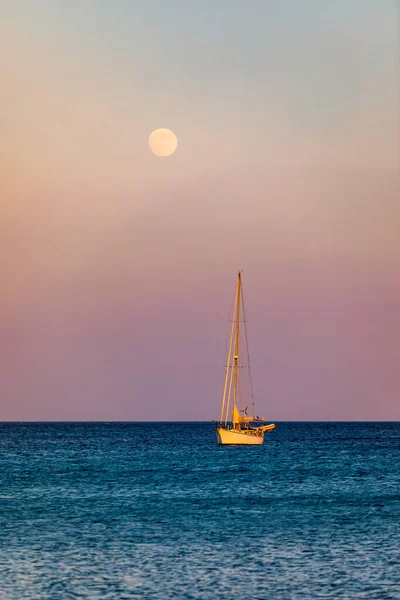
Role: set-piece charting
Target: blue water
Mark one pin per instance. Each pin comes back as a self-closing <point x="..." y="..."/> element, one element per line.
<point x="140" y="510"/>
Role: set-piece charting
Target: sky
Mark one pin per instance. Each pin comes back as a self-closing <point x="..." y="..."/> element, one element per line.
<point x="118" y="268"/>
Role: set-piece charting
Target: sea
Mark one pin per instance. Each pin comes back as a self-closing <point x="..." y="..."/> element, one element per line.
<point x="159" y="511"/>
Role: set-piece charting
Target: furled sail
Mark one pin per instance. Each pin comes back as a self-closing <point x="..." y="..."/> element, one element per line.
<point x="236" y="418"/>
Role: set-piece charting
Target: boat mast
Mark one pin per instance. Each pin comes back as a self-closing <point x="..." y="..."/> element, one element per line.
<point x="236" y="355"/>
<point x="228" y="372"/>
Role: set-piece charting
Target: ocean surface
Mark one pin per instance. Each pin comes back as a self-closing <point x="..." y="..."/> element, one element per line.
<point x="159" y="511"/>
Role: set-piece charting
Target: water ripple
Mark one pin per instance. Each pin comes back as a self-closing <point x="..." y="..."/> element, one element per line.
<point x="93" y="511"/>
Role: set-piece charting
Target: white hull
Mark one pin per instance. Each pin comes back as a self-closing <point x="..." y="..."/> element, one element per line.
<point x="227" y="437"/>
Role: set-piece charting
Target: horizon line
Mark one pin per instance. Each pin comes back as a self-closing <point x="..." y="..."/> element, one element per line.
<point x="193" y="421"/>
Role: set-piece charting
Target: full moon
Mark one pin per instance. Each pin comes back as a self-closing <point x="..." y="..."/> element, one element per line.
<point x="163" y="142"/>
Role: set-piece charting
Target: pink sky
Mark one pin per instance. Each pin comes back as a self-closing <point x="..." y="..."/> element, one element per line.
<point x="119" y="268"/>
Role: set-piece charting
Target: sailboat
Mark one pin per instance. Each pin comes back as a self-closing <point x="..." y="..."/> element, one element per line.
<point x="235" y="426"/>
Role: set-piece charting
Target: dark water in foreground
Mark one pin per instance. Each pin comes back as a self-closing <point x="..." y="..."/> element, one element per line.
<point x="159" y="511"/>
